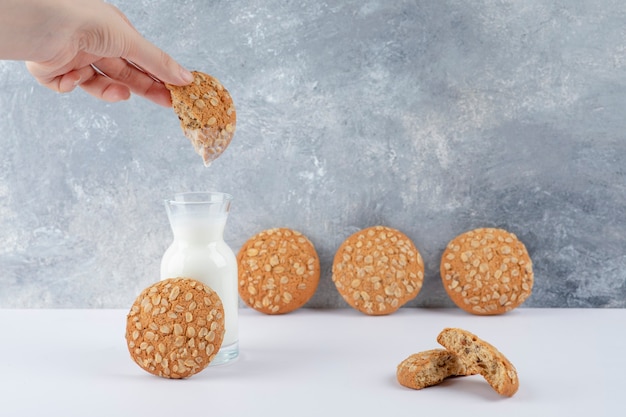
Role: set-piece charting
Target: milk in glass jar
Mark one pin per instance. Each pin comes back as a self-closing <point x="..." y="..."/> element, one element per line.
<point x="199" y="251"/>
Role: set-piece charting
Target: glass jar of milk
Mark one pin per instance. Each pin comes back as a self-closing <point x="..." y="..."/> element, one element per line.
<point x="199" y="252"/>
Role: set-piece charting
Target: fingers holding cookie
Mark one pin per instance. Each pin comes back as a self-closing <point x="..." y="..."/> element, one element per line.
<point x="377" y="270"/>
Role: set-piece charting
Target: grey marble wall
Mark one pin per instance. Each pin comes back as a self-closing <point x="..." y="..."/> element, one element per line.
<point x="433" y="117"/>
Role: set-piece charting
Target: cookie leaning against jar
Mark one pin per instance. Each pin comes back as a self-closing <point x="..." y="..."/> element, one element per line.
<point x="175" y="327"/>
<point x="278" y="269"/>
<point x="207" y="114"/>
<point x="487" y="271"/>
<point x="377" y="270"/>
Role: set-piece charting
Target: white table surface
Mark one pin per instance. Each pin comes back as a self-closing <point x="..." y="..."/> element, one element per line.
<point x="315" y="363"/>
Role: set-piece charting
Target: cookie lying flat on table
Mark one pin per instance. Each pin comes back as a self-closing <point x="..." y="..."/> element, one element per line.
<point x="428" y="368"/>
<point x="278" y="270"/>
<point x="480" y="357"/>
<point x="207" y="114"/>
<point x="487" y="271"/>
<point x="175" y="328"/>
<point x="377" y="270"/>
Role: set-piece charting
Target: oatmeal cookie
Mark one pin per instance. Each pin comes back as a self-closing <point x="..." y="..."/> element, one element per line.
<point x="207" y="114"/>
<point x="487" y="271"/>
<point x="480" y="357"/>
<point x="175" y="328"/>
<point x="428" y="368"/>
<point x="279" y="271"/>
<point x="377" y="270"/>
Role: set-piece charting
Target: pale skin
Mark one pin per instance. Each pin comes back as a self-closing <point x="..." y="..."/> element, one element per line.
<point x="88" y="44"/>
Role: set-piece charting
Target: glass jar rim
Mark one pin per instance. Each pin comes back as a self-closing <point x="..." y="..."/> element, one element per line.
<point x="200" y="197"/>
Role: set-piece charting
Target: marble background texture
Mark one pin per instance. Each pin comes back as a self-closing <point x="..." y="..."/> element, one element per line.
<point x="432" y="117"/>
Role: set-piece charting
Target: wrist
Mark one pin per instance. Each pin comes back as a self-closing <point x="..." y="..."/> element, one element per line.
<point x="34" y="30"/>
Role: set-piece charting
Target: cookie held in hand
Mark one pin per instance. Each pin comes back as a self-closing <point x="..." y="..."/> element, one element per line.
<point x="207" y="114"/>
<point x="175" y="328"/>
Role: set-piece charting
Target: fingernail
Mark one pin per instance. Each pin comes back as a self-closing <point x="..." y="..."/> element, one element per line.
<point x="186" y="75"/>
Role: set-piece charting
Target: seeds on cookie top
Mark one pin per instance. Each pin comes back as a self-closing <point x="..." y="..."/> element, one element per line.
<point x="377" y="270"/>
<point x="175" y="327"/>
<point x="487" y="271"/>
<point x="278" y="271"/>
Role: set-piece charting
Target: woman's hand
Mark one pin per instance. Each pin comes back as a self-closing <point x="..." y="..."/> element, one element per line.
<point x="86" y="43"/>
